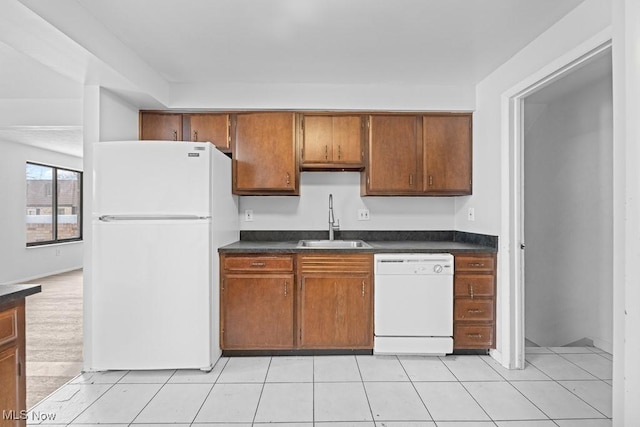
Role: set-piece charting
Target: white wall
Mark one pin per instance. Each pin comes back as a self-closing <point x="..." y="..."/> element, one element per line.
<point x="626" y="251"/>
<point x="573" y="35"/>
<point x="18" y="262"/>
<point x="568" y="179"/>
<point x="106" y="117"/>
<point x="310" y="211"/>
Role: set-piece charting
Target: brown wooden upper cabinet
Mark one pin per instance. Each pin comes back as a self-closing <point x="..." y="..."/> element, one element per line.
<point x="163" y="126"/>
<point x="265" y="154"/>
<point x="418" y="155"/>
<point x="392" y="156"/>
<point x="331" y="142"/>
<point x="160" y="126"/>
<point x="447" y="154"/>
<point x="209" y="127"/>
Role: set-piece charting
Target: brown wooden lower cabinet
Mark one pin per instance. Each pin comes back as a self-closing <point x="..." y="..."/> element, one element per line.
<point x="257" y="303"/>
<point x="335" y="311"/>
<point x="12" y="359"/>
<point x="301" y="302"/>
<point x="474" y="307"/>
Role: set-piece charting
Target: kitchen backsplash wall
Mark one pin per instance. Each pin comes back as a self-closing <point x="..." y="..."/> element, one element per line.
<point x="310" y="211"/>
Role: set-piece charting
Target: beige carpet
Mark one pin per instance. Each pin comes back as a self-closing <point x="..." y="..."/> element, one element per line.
<point x="54" y="334"/>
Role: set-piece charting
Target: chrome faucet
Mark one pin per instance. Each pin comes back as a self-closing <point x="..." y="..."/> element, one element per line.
<point x="334" y="224"/>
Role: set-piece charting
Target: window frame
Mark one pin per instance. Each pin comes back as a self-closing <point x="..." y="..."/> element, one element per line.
<point x="54" y="207"/>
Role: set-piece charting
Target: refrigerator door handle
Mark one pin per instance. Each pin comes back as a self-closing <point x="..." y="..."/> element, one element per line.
<point x="113" y="218"/>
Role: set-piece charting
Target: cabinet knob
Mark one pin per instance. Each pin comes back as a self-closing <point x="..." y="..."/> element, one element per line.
<point x="430" y="180"/>
<point x="326" y="152"/>
<point x="288" y="178"/>
<point x="339" y="152"/>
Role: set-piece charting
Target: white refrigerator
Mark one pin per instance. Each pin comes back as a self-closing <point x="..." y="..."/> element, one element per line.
<point x="160" y="211"/>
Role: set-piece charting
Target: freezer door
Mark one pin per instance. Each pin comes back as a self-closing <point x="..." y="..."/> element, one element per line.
<point x="152" y="295"/>
<point x="152" y="177"/>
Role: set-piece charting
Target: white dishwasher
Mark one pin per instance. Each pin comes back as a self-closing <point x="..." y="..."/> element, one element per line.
<point x="413" y="304"/>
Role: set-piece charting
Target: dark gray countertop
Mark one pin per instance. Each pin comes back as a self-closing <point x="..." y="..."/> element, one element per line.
<point x="10" y="293"/>
<point x="258" y="247"/>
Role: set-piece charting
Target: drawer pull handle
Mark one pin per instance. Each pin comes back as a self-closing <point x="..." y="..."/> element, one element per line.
<point x="195" y="135"/>
<point x="363" y="288"/>
<point x="475" y="310"/>
<point x="285" y="288"/>
<point x="339" y="153"/>
<point x="175" y="135"/>
<point x="258" y="264"/>
<point x="326" y="152"/>
<point x="471" y="291"/>
<point x="288" y="178"/>
<point x="476" y="264"/>
<point x="474" y="335"/>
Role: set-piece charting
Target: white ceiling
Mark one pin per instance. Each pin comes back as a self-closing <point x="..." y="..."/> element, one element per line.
<point x="456" y="42"/>
<point x="401" y="42"/>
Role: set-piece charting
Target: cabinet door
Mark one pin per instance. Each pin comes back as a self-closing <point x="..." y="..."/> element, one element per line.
<point x="257" y="312"/>
<point x="318" y="140"/>
<point x="392" y="166"/>
<point x="160" y="126"/>
<point x="10" y="380"/>
<point x="447" y="154"/>
<point x="335" y="312"/>
<point x="209" y="127"/>
<point x="265" y="160"/>
<point x="347" y="140"/>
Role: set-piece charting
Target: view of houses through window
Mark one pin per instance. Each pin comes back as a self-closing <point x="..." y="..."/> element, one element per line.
<point x="54" y="204"/>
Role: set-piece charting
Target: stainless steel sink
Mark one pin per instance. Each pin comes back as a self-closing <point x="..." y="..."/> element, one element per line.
<point x="332" y="244"/>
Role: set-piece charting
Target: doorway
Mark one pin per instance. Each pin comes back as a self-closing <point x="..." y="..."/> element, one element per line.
<point x="567" y="208"/>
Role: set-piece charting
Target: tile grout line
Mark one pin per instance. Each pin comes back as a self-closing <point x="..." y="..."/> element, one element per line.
<point x="98" y="398"/>
<point x="152" y="397"/>
<point x="211" y="390"/>
<point x="264" y="382"/>
<point x="516" y="389"/>
<point x="366" y="395"/>
<point x="416" y="390"/>
<point x="578" y="397"/>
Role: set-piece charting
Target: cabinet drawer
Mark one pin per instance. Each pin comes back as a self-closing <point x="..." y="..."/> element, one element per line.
<point x="473" y="336"/>
<point x="258" y="263"/>
<point x="8" y="326"/>
<point x="483" y="262"/>
<point x="473" y="309"/>
<point x="474" y="285"/>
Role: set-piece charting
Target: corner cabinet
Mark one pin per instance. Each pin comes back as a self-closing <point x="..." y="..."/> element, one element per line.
<point x="202" y="127"/>
<point x="418" y="155"/>
<point x="335" y="301"/>
<point x="257" y="302"/>
<point x="474" y="306"/>
<point x="331" y="142"/>
<point x="265" y="160"/>
<point x="12" y="362"/>
<point x="159" y="126"/>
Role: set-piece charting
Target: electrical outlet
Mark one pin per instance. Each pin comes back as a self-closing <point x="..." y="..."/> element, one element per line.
<point x="363" y="215"/>
<point x="471" y="214"/>
<point x="248" y="215"/>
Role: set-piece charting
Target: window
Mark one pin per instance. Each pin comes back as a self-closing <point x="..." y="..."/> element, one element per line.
<point x="54" y="205"/>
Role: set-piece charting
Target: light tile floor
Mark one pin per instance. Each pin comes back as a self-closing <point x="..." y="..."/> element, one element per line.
<point x="559" y="387"/>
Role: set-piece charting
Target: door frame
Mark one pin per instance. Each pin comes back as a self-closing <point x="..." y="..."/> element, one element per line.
<point x="513" y="167"/>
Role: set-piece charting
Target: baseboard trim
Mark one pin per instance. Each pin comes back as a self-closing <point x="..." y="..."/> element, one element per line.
<point x="40" y="276"/>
